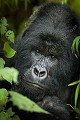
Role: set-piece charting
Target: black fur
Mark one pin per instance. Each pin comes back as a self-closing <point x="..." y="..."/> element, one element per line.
<point x="45" y="62"/>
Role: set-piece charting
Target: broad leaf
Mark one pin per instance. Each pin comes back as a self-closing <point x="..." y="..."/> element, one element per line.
<point x="3" y="29"/>
<point x="2" y="63"/>
<point x="9" y="74"/>
<point x="1" y="108"/>
<point x="3" y="96"/>
<point x="8" y="115"/>
<point x="10" y="112"/>
<point x="3" y="116"/>
<point x="3" y="26"/>
<point x="10" y="35"/>
<point x="8" y="51"/>
<point x="16" y="117"/>
<point x="4" y="21"/>
<point x="25" y="103"/>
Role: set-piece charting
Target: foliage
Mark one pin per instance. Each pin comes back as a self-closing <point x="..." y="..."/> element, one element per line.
<point x="21" y="101"/>
<point x="6" y="73"/>
<point x="16" y="8"/>
<point x="6" y="114"/>
<point x="18" y="100"/>
<point x="75" y="46"/>
<point x="77" y="90"/>
<point x="14" y="2"/>
<point x="75" y="5"/>
<point x="76" y="52"/>
<point x="7" y="36"/>
<point x="61" y="1"/>
<point x="11" y="74"/>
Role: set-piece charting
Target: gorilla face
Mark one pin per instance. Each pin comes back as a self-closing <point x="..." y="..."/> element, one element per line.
<point x="44" y="58"/>
<point x="38" y="78"/>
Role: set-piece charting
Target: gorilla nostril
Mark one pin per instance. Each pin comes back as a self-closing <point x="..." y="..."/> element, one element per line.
<point x="36" y="71"/>
<point x="42" y="73"/>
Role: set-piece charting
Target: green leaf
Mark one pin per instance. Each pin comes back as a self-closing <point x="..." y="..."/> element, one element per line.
<point x="1" y="108"/>
<point x="14" y="74"/>
<point x="3" y="26"/>
<point x="77" y="94"/>
<point x="2" y="116"/>
<point x="10" y="112"/>
<point x="3" y="29"/>
<point x="25" y="103"/>
<point x="8" y="51"/>
<point x="2" y="63"/>
<point x="10" y="35"/>
<point x="75" y="46"/>
<point x="9" y="74"/>
<point x="15" y="117"/>
<point x="3" y="96"/>
<point x="4" y="21"/>
<point x="74" y="83"/>
<point x="8" y="115"/>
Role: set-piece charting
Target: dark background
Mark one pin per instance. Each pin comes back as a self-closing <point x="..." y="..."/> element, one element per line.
<point x="17" y="12"/>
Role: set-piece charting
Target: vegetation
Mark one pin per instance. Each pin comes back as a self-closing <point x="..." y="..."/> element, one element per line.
<point x="15" y="12"/>
<point x="76" y="52"/>
<point x="11" y="74"/>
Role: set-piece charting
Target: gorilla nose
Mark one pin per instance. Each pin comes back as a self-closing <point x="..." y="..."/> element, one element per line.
<point x="39" y="72"/>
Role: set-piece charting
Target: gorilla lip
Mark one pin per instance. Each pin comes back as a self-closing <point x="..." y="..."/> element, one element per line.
<point x="37" y="85"/>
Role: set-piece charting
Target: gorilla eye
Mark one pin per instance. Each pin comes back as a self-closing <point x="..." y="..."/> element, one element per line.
<point x="52" y="56"/>
<point x="37" y="51"/>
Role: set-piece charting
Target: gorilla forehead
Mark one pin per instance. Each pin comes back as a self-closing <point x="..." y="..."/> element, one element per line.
<point x="54" y="19"/>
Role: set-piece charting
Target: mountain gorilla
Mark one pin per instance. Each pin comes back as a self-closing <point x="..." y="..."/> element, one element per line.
<point x="45" y="62"/>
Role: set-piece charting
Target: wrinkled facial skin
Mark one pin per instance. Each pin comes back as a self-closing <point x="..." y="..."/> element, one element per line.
<point x="44" y="58"/>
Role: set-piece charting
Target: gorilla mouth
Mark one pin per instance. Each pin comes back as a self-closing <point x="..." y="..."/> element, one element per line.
<point x="35" y="84"/>
<point x="35" y="91"/>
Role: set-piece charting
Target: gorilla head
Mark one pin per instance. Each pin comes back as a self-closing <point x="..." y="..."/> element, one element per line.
<point x="44" y="59"/>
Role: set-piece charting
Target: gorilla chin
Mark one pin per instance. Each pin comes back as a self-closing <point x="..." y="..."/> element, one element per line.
<point x="35" y="91"/>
